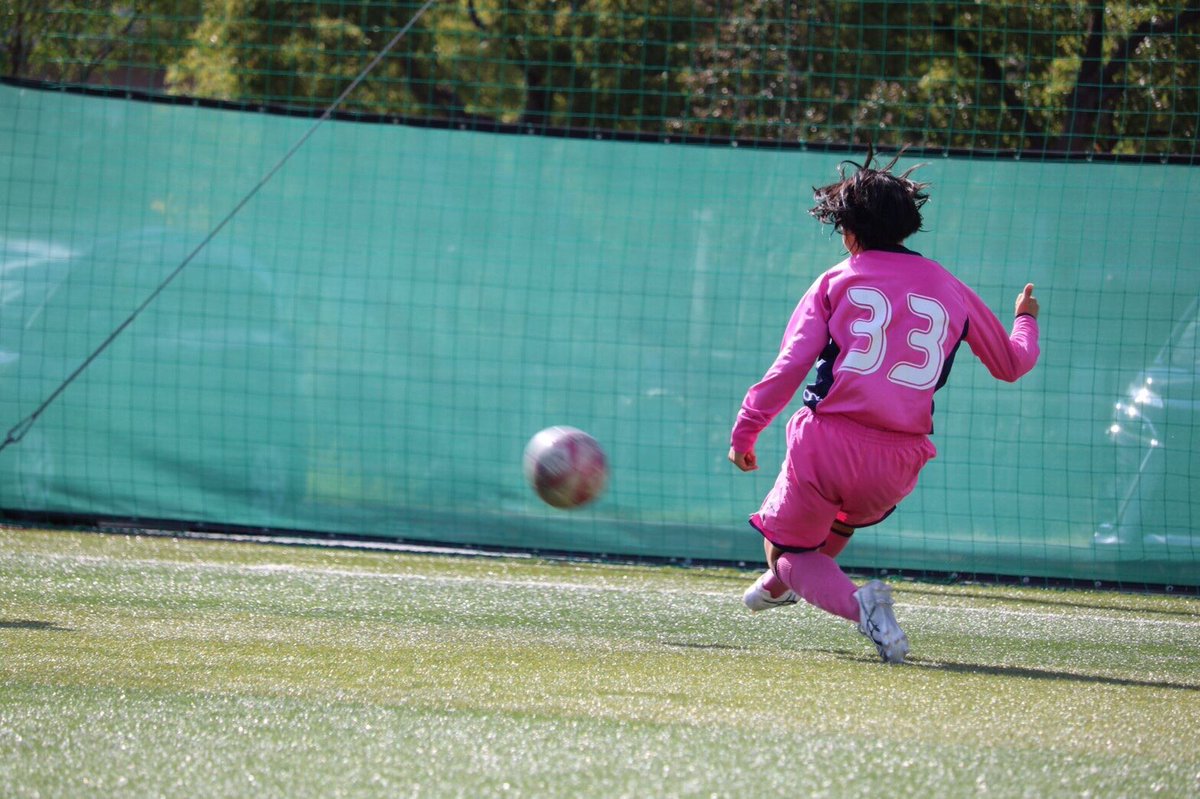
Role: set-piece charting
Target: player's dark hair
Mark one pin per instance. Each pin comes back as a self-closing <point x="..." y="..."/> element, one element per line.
<point x="879" y="208"/>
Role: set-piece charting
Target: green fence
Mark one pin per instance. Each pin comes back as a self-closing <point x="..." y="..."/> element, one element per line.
<point x="368" y="345"/>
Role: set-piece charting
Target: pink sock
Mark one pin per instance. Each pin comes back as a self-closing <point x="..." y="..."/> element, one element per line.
<point x="817" y="577"/>
<point x="773" y="584"/>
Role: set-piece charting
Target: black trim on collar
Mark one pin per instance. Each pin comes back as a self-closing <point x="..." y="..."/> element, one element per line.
<point x="900" y="248"/>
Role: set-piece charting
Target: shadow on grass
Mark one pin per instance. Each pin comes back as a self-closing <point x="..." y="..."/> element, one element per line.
<point x="692" y="645"/>
<point x="1014" y="671"/>
<point x="29" y="624"/>
<point x="1047" y="674"/>
<point x="1096" y="604"/>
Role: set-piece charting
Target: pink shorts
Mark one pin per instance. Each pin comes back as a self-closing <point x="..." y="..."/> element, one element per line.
<point x="838" y="470"/>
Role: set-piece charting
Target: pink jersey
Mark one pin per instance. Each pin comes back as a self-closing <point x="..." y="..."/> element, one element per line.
<point x="883" y="328"/>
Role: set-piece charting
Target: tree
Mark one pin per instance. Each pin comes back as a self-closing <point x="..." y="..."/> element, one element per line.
<point x="1118" y="77"/>
<point x="1085" y="77"/>
<point x="604" y="64"/>
<point x="1091" y="77"/>
<point x="87" y="42"/>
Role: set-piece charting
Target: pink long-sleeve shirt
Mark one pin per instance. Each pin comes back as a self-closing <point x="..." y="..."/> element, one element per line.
<point x="883" y="328"/>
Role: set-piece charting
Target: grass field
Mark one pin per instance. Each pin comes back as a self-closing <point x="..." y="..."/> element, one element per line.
<point x="152" y="666"/>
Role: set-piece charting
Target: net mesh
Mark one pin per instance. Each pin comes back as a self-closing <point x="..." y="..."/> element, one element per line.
<point x="588" y="213"/>
<point x="1082" y="78"/>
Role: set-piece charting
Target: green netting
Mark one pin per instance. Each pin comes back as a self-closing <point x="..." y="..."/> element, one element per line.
<point x="367" y="346"/>
<point x="1080" y="77"/>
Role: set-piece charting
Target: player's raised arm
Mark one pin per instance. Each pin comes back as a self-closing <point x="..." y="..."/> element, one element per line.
<point x="1007" y="356"/>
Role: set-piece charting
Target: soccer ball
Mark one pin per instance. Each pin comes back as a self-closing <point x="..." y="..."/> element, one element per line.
<point x="565" y="466"/>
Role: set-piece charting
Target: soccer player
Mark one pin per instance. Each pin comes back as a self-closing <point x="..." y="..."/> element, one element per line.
<point x="883" y="328"/>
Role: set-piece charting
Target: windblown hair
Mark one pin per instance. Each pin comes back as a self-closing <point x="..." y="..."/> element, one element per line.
<point x="879" y="208"/>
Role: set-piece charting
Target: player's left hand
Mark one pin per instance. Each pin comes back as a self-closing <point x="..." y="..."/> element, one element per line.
<point x="746" y="461"/>
<point x="1027" y="303"/>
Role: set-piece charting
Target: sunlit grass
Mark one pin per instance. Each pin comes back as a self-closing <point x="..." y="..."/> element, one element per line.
<point x="151" y="666"/>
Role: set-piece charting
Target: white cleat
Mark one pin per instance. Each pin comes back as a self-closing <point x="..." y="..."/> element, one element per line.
<point x="877" y="622"/>
<point x="759" y="598"/>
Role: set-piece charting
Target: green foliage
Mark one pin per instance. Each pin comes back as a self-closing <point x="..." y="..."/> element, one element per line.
<point x="93" y="42"/>
<point x="1116" y="77"/>
<point x="995" y="76"/>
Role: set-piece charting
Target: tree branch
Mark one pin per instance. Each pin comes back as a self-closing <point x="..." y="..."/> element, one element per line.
<point x="18" y="48"/>
<point x="993" y="71"/>
<point x="112" y="43"/>
<point x="1085" y="97"/>
<point x="474" y="16"/>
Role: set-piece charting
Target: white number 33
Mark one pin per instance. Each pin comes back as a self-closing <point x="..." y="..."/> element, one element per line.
<point x="924" y="340"/>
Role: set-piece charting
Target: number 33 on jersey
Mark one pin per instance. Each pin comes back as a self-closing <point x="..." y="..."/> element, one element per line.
<point x="883" y="329"/>
<point x="925" y="340"/>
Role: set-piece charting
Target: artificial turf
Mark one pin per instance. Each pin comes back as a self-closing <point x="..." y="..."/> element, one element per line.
<point x="158" y="666"/>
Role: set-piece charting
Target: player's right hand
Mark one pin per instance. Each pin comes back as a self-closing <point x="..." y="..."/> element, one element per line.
<point x="1026" y="302"/>
<point x="746" y="461"/>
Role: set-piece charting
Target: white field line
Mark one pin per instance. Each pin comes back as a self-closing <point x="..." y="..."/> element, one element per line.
<point x="323" y="571"/>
